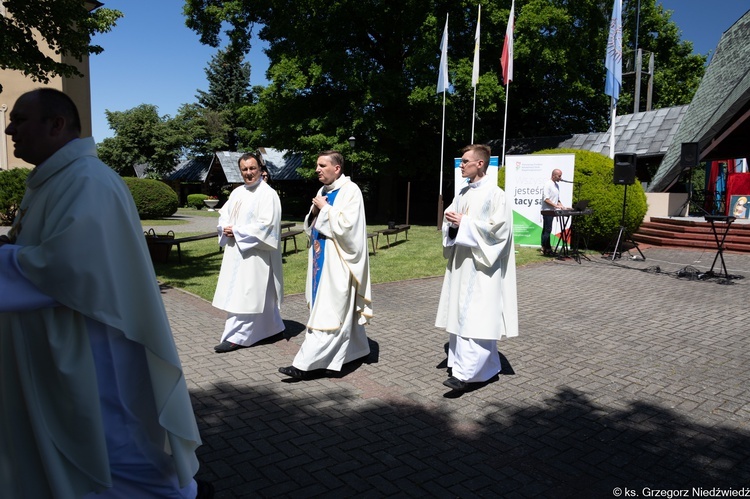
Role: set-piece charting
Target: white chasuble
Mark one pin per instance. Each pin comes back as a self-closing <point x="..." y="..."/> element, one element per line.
<point x="79" y="241"/>
<point x="478" y="298"/>
<point x="342" y="304"/>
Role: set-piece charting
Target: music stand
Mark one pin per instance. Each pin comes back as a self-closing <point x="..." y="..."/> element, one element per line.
<point x="719" y="242"/>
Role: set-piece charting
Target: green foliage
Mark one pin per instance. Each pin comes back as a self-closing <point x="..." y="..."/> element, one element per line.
<point x="228" y="91"/>
<point x="376" y="79"/>
<point x="196" y="200"/>
<point x="153" y="198"/>
<point x="66" y="27"/>
<point x="677" y="72"/>
<point x="594" y="175"/>
<point x="141" y="137"/>
<point x="12" y="189"/>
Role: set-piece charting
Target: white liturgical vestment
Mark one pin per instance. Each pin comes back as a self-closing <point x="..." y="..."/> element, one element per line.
<point x="67" y="383"/>
<point x="342" y="303"/>
<point x="478" y="298"/>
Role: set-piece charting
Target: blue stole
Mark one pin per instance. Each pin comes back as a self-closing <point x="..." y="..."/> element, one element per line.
<point x="318" y="245"/>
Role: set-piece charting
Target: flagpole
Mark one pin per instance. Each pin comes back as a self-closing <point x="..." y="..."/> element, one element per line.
<point x="613" y="111"/>
<point x="473" y="114"/>
<point x="505" y="124"/>
<point x="475" y="71"/>
<point x="443" y="84"/>
<point x="442" y="152"/>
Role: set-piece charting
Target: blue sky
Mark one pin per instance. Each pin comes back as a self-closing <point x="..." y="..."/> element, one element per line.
<point x="151" y="57"/>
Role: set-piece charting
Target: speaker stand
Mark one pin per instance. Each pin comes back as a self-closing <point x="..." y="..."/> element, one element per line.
<point x="623" y="234"/>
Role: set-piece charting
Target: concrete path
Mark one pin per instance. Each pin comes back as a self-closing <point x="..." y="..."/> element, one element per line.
<point x="630" y="377"/>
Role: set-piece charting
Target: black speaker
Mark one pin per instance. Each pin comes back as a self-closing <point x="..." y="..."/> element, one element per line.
<point x="689" y="154"/>
<point x="624" y="173"/>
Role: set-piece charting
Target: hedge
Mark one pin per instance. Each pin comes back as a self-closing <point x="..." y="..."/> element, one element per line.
<point x="153" y="198"/>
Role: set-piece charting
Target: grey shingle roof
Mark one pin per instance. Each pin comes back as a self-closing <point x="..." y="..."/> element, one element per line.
<point x="192" y="170"/>
<point x="647" y="134"/>
<point x="723" y="94"/>
<point x="281" y="164"/>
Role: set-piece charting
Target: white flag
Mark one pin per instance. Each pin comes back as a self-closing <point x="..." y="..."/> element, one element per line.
<point x="475" y="71"/>
<point x="443" y="82"/>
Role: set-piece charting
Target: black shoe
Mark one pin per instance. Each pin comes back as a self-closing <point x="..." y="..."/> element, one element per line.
<point x="293" y="372"/>
<point x="205" y="490"/>
<point x="456" y="384"/>
<point x="227" y="346"/>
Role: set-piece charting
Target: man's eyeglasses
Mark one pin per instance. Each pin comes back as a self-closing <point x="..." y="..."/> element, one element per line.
<point x="466" y="161"/>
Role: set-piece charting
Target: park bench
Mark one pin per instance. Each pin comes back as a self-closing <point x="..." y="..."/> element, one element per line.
<point x="289" y="231"/>
<point x="394" y="231"/>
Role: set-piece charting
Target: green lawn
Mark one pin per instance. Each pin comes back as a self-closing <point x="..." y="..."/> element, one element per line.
<point x="419" y="256"/>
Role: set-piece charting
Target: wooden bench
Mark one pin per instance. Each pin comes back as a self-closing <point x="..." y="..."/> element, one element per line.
<point x="291" y="234"/>
<point x="394" y="231"/>
<point x="373" y="237"/>
<point x="177" y="241"/>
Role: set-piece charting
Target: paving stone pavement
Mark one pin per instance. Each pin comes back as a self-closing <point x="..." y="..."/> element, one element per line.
<point x="630" y="375"/>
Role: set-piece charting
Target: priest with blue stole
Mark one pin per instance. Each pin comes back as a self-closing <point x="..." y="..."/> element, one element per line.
<point x="338" y="274"/>
<point x="478" y="303"/>
<point x="93" y="399"/>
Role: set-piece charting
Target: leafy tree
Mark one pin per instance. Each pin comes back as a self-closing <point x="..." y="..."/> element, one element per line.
<point x="12" y="189"/>
<point x="66" y="27"/>
<point x="228" y="90"/>
<point x="201" y="131"/>
<point x="677" y="71"/>
<point x="369" y="69"/>
<point x="141" y="137"/>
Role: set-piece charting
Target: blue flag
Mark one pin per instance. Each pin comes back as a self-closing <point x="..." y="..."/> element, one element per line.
<point x="443" y="82"/>
<point x="613" y="62"/>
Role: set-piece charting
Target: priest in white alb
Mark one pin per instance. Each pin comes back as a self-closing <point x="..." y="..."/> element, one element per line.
<point x="338" y="274"/>
<point x="478" y="303"/>
<point x="251" y="282"/>
<point x="93" y="399"/>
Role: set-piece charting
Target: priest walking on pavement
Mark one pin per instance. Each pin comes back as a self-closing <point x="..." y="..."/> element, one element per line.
<point x="338" y="274"/>
<point x="478" y="302"/>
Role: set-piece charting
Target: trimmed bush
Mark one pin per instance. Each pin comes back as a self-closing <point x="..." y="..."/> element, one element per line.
<point x="196" y="201"/>
<point x="594" y="174"/>
<point x="12" y="189"/>
<point x="153" y="198"/>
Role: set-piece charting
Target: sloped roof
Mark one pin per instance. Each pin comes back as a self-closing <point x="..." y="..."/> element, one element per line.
<point x="646" y="134"/>
<point x="718" y="117"/>
<point x="281" y="164"/>
<point x="192" y="170"/>
<point x="228" y="161"/>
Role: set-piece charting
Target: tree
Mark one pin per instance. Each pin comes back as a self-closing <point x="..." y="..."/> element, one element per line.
<point x="677" y="72"/>
<point x="201" y="131"/>
<point x="369" y="69"/>
<point x="66" y="27"/>
<point x="141" y="137"/>
<point x="228" y="91"/>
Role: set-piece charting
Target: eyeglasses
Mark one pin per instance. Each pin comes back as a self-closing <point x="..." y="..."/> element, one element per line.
<point x="466" y="161"/>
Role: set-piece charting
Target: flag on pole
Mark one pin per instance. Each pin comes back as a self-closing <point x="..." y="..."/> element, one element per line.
<point x="613" y="62"/>
<point x="506" y="60"/>
<point x="475" y="71"/>
<point x="443" y="82"/>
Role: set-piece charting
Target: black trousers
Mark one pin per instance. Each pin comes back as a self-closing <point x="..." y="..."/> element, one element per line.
<point x="547" y="231"/>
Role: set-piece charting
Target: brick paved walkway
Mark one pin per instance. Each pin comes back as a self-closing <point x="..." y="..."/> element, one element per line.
<point x="629" y="377"/>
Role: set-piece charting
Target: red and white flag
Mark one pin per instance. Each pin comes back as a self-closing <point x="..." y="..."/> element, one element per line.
<point x="507" y="58"/>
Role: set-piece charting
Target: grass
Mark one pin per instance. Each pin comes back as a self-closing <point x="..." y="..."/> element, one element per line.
<point x="419" y="256"/>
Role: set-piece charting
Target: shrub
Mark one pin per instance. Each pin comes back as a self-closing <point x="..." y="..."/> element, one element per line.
<point x="12" y="188"/>
<point x="153" y="198"/>
<point x="594" y="181"/>
<point x="196" y="200"/>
